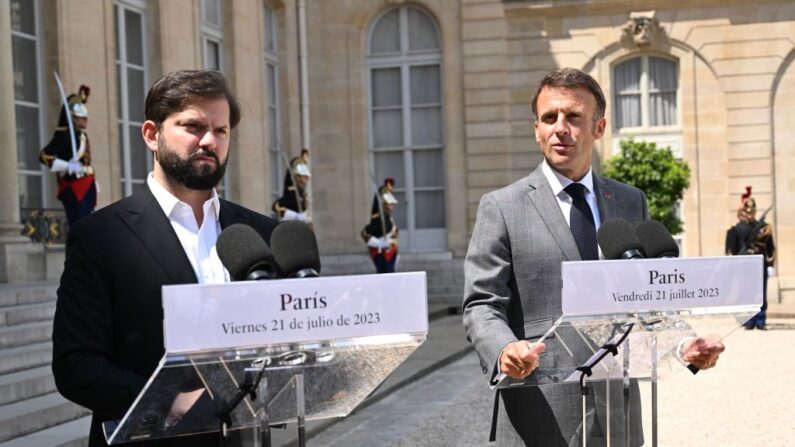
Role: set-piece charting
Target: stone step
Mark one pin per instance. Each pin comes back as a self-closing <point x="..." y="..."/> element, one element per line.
<point x="27" y="313"/>
<point x="69" y="434"/>
<point x="26" y="384"/>
<point x="25" y="334"/>
<point x="25" y="357"/>
<point x="31" y="415"/>
<point x="27" y="293"/>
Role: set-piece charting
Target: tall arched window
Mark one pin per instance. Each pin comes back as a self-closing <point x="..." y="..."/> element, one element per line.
<point x="131" y="66"/>
<point x="277" y="166"/>
<point x="406" y="137"/>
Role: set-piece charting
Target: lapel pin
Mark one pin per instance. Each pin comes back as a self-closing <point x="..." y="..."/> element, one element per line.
<point x="607" y="195"/>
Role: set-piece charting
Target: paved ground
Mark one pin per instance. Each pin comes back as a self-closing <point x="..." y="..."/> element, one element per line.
<point x="746" y="401"/>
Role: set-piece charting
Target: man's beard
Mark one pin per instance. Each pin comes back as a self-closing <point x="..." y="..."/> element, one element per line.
<point x="201" y="176"/>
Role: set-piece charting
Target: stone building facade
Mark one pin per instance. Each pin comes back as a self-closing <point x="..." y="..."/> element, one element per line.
<point x="435" y="93"/>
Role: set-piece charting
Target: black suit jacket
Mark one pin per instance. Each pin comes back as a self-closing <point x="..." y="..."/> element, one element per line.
<point x="108" y="328"/>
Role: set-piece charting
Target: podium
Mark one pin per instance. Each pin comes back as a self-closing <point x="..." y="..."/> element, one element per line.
<point x="260" y="353"/>
<point x="624" y="323"/>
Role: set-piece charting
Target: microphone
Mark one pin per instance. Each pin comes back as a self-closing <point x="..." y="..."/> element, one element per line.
<point x="657" y="241"/>
<point x="244" y="253"/>
<point x="617" y="239"/>
<point x="295" y="250"/>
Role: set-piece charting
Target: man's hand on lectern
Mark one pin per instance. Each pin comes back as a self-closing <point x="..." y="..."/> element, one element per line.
<point x="520" y="358"/>
<point x="702" y="352"/>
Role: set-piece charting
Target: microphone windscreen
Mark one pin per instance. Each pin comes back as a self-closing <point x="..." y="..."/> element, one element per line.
<point x="241" y="249"/>
<point x="616" y="237"/>
<point x="295" y="247"/>
<point x="657" y="241"/>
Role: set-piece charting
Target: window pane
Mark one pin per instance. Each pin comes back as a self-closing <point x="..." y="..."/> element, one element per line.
<point x="270" y="30"/>
<point x="386" y="35"/>
<point x="386" y="87"/>
<point x="210" y="12"/>
<point x="422" y="32"/>
<point x="627" y="76"/>
<point x="30" y="191"/>
<point x="24" y="57"/>
<point x="425" y="85"/>
<point x="135" y="36"/>
<point x="271" y="85"/>
<point x="426" y="126"/>
<point x="401" y="211"/>
<point x="212" y="54"/>
<point x="23" y="17"/>
<point x="662" y="74"/>
<point x="117" y="31"/>
<point x="627" y="111"/>
<point x="138" y="150"/>
<point x="28" y="143"/>
<point x="428" y="168"/>
<point x="387" y="128"/>
<point x="135" y="94"/>
<point x="273" y="128"/>
<point x="429" y="209"/>
<point x="390" y="164"/>
<point x="275" y="174"/>
<point x="663" y="108"/>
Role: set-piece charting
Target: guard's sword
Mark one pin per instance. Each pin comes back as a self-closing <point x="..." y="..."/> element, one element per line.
<point x="65" y="102"/>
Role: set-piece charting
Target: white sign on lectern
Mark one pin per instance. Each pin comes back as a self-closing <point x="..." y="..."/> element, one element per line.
<point x="250" y="313"/>
<point x="643" y="285"/>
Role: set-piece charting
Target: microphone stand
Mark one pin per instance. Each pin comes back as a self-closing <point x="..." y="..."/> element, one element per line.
<point x="586" y="370"/>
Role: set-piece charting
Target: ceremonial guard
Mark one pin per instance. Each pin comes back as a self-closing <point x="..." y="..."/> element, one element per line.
<point x="294" y="203"/>
<point x="70" y="158"/>
<point x="381" y="234"/>
<point x="753" y="237"/>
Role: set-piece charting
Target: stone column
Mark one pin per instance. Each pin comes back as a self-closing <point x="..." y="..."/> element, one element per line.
<point x="15" y="250"/>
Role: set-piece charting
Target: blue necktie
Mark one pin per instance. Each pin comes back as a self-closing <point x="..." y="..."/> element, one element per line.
<point x="582" y="223"/>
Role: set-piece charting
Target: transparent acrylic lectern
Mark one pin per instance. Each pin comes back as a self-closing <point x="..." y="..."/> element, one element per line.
<point x="622" y="326"/>
<point x="288" y="358"/>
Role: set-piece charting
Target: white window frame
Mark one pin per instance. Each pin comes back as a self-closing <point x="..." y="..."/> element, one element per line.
<point x="406" y="59"/>
<point x="42" y="172"/>
<point x="138" y="7"/>
<point x="273" y="105"/>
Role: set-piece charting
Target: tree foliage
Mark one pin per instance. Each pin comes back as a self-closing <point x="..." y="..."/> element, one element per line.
<point x="656" y="172"/>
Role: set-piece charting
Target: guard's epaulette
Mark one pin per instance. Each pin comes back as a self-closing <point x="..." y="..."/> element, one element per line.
<point x="766" y="230"/>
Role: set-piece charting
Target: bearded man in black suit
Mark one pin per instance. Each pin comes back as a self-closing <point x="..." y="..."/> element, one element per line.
<point x="108" y="331"/>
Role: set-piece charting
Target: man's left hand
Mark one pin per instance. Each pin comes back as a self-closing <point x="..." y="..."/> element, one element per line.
<point x="702" y="352"/>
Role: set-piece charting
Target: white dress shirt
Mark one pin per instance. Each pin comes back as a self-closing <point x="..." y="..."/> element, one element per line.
<point x="558" y="183"/>
<point x="197" y="241"/>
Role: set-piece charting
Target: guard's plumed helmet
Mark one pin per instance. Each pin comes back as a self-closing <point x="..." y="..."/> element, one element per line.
<point x="77" y="102"/>
<point x="300" y="164"/>
<point x="748" y="204"/>
<point x="386" y="191"/>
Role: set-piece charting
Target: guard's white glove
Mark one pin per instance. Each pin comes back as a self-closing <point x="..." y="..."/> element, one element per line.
<point x="386" y="243"/>
<point x="374" y="242"/>
<point x="76" y="168"/>
<point x="292" y="215"/>
<point x="59" y="165"/>
<point x="771" y="272"/>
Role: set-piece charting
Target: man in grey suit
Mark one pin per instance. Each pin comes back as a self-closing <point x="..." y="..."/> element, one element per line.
<point x="522" y="234"/>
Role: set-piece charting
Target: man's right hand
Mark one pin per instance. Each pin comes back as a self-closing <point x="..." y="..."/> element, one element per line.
<point x="520" y="358"/>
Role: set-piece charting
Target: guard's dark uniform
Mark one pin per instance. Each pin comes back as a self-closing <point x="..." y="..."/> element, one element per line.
<point x="77" y="188"/>
<point x="381" y="234"/>
<point x="753" y="237"/>
<point x="294" y="203"/>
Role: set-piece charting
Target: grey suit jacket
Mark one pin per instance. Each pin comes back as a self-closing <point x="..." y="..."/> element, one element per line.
<point x="513" y="291"/>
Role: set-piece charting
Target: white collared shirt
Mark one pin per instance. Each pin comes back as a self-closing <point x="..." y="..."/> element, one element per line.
<point x="197" y="241"/>
<point x="558" y="183"/>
